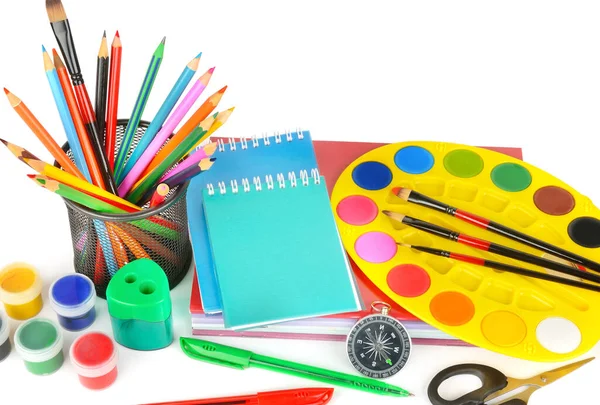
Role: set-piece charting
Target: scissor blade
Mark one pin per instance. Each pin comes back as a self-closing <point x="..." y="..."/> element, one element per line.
<point x="548" y="377"/>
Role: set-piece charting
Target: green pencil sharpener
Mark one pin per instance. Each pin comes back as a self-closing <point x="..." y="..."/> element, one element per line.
<point x="139" y="305"/>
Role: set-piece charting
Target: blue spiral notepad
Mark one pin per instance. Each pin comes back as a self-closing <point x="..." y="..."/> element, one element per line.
<point x="276" y="250"/>
<point x="289" y="152"/>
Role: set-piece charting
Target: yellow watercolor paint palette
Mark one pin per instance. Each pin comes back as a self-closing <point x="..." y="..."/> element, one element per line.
<point x="503" y="312"/>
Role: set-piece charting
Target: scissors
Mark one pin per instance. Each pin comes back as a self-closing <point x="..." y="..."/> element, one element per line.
<point x="495" y="384"/>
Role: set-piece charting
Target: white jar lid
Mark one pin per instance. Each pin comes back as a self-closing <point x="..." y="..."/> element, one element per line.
<point x="4" y="329"/>
<point x="20" y="283"/>
<point x="72" y="295"/>
<point x="93" y="355"/>
<point x="38" y="340"/>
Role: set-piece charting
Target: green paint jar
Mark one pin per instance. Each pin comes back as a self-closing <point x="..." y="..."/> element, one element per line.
<point x="139" y="304"/>
<point x="39" y="342"/>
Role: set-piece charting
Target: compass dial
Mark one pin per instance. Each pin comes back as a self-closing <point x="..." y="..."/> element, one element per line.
<point x="378" y="346"/>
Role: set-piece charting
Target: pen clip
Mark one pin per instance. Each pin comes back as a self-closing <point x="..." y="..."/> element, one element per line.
<point x="215" y="353"/>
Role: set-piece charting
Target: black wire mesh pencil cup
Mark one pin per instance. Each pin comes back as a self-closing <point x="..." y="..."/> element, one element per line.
<point x="103" y="243"/>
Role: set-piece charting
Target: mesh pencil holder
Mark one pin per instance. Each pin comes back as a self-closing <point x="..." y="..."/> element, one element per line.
<point x="103" y="243"/>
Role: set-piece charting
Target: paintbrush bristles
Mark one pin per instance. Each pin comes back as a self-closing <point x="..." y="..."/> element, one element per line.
<point x="402" y="193"/>
<point x="403" y="245"/>
<point x="56" y="11"/>
<point x="394" y="215"/>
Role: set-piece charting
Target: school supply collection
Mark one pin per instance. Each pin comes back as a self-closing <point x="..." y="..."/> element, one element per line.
<point x="379" y="246"/>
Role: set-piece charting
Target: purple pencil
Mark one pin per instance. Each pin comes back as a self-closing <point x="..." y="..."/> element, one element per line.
<point x="192" y="160"/>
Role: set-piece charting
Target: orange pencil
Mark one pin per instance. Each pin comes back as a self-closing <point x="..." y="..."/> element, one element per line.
<point x="200" y="115"/>
<point x="133" y="245"/>
<point x="86" y="145"/>
<point x="113" y="100"/>
<point x="45" y="138"/>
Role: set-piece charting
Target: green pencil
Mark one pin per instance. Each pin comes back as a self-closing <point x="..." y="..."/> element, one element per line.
<point x="97" y="205"/>
<point x="138" y="110"/>
<point x="151" y="179"/>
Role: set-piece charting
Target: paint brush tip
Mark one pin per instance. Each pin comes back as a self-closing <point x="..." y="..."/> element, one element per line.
<point x="396" y="190"/>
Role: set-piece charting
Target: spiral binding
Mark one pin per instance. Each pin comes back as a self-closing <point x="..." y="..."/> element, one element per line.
<point x="278" y="137"/>
<point x="268" y="183"/>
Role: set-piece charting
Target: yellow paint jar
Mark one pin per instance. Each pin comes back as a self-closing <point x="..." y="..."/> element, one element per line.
<point x="21" y="291"/>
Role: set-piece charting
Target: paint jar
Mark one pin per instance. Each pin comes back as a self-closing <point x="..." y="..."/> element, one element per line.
<point x="21" y="291"/>
<point x="94" y="358"/>
<point x="39" y="342"/>
<point x="139" y="305"/>
<point x="73" y="298"/>
<point x="4" y="340"/>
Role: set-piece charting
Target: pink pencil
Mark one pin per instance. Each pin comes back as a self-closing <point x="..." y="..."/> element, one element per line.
<point x="162" y="136"/>
<point x="192" y="160"/>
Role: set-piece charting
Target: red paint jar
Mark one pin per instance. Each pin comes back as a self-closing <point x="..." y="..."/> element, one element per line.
<point x="94" y="358"/>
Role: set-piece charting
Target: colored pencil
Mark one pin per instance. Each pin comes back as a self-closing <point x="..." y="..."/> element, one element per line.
<point x="96" y="204"/>
<point x="159" y="195"/>
<point x="193" y="159"/>
<point x="19" y="152"/>
<point x="490" y="246"/>
<point x="86" y="146"/>
<point x="65" y="115"/>
<point x="117" y="246"/>
<point x="98" y="274"/>
<point x="42" y="134"/>
<point x="154" y="246"/>
<point x="504" y="267"/>
<point x="138" y="110"/>
<point x="62" y="31"/>
<point x="102" y="85"/>
<point x="134" y="246"/>
<point x="162" y="114"/>
<point x="148" y="154"/>
<point x="219" y="122"/>
<point x="152" y="178"/>
<point x="113" y="100"/>
<point x="200" y="115"/>
<point x="422" y="200"/>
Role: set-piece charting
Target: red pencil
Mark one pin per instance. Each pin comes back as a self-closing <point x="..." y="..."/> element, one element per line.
<point x="159" y="195"/>
<point x="306" y="396"/>
<point x="113" y="100"/>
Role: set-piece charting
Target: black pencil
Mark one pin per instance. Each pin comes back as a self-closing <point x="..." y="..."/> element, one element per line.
<point x="102" y="86"/>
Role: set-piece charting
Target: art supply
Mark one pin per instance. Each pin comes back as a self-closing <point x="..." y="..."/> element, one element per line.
<point x="138" y="110"/>
<point x="272" y="224"/>
<point x="240" y="359"/>
<point x="164" y="111"/>
<point x="139" y="305"/>
<point x="62" y="31"/>
<point x="495" y="384"/>
<point x="102" y="85"/>
<point x="159" y="195"/>
<point x="40" y="132"/>
<point x="114" y="84"/>
<point x="39" y="342"/>
<point x="5" y="346"/>
<point x="221" y="119"/>
<point x="497" y="310"/>
<point x="258" y="157"/>
<point x="21" y="290"/>
<point x="65" y="116"/>
<point x="378" y="345"/>
<point x="492" y="247"/>
<point x="186" y="129"/>
<point x="302" y="396"/>
<point x="185" y="175"/>
<point x="161" y="137"/>
<point x="504" y="267"/>
<point x="583" y="230"/>
<point x="149" y="182"/>
<point x="94" y="357"/>
<point x="192" y="160"/>
<point x="73" y="298"/>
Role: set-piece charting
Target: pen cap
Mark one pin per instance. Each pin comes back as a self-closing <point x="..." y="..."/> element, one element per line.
<point x="305" y="396"/>
<point x="215" y="353"/>
<point x="139" y="290"/>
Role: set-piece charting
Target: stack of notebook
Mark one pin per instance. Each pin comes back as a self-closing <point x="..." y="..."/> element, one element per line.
<point x="269" y="261"/>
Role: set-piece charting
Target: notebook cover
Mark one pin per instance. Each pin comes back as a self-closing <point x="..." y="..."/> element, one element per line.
<point x="248" y="159"/>
<point x="277" y="252"/>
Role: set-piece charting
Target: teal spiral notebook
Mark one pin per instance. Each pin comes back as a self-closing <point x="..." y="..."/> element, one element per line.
<point x="285" y="152"/>
<point x="277" y="251"/>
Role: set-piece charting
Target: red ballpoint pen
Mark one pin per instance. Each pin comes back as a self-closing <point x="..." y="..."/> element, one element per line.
<point x="303" y="396"/>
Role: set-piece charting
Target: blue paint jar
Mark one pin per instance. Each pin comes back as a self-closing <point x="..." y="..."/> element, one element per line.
<point x="73" y="298"/>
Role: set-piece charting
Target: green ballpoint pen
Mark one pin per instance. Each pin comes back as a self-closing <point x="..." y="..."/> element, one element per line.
<point x="241" y="359"/>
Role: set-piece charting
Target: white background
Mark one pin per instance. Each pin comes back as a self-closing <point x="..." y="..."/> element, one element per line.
<point x="511" y="73"/>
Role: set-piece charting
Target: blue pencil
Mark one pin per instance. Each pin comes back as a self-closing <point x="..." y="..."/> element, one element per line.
<point x="65" y="115"/>
<point x="138" y="110"/>
<point x="163" y="113"/>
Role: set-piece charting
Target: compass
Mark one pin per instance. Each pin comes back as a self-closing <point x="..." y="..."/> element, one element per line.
<point x="378" y="345"/>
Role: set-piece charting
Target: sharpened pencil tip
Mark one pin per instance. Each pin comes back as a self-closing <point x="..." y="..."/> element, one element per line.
<point x="117" y="34"/>
<point x="43" y="48"/>
<point x="6" y="91"/>
<point x="211" y="70"/>
<point x="31" y="176"/>
<point x="4" y="142"/>
<point x="163" y="40"/>
<point x="104" y="36"/>
<point x="199" y="55"/>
